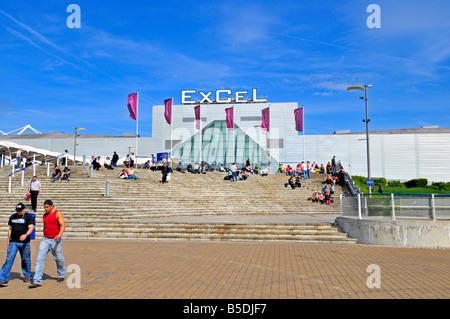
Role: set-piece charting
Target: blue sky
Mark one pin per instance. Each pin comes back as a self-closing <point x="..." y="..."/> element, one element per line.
<point x="55" y="78"/>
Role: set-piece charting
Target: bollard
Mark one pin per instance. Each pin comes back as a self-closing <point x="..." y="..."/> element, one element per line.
<point x="91" y="172"/>
<point x="393" y="206"/>
<point x="107" y="187"/>
<point x="9" y="186"/>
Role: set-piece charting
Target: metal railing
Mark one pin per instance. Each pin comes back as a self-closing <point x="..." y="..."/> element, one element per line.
<point x="57" y="163"/>
<point x="395" y="206"/>
<point x="23" y="169"/>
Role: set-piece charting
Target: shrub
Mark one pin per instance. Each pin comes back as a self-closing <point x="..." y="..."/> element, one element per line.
<point x="380" y="181"/>
<point x="442" y="186"/>
<point x="418" y="182"/>
<point x="396" y="184"/>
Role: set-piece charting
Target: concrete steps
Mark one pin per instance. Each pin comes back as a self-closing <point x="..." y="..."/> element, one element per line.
<point x="133" y="206"/>
<point x="214" y="232"/>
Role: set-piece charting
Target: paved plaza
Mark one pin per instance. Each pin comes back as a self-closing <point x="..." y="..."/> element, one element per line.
<point x="235" y="270"/>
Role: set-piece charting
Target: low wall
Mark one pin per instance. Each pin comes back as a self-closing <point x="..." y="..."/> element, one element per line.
<point x="398" y="233"/>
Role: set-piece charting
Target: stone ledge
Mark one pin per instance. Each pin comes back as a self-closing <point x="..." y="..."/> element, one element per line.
<point x="397" y="233"/>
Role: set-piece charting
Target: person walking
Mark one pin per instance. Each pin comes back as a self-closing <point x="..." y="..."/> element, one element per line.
<point x="165" y="171"/>
<point x="35" y="190"/>
<point x="233" y="169"/>
<point x="21" y="225"/>
<point x="18" y="157"/>
<point x="114" y="160"/>
<point x="54" y="227"/>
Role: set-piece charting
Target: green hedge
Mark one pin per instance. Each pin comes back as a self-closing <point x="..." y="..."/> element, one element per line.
<point x="442" y="186"/>
<point x="396" y="184"/>
<point x="418" y="182"/>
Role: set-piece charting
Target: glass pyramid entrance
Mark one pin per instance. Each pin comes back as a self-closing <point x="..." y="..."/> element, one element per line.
<point x="221" y="146"/>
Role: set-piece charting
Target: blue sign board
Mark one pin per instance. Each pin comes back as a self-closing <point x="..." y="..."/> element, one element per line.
<point x="370" y="182"/>
<point x="160" y="156"/>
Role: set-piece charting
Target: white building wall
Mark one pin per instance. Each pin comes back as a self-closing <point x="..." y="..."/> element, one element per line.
<point x="393" y="156"/>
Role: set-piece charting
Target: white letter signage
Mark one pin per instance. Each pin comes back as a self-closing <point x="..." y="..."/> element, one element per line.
<point x="223" y="96"/>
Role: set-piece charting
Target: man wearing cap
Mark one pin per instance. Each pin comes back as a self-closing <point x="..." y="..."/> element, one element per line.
<point x="54" y="227"/>
<point x="21" y="225"/>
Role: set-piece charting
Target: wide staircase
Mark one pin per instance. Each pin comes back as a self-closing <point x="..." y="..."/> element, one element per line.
<point x="189" y="207"/>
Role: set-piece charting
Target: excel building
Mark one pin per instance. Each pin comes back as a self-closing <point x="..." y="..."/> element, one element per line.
<point x="206" y="136"/>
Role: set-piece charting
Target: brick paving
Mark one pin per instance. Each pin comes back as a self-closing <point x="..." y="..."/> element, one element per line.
<point x="235" y="270"/>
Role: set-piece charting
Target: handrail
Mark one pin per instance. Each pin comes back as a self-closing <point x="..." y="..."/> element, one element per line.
<point x="22" y="169"/>
<point x="400" y="194"/>
<point x="57" y="157"/>
<point x="28" y="155"/>
<point x="389" y="208"/>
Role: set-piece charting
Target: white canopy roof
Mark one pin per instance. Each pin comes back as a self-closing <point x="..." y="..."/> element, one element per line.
<point x="12" y="147"/>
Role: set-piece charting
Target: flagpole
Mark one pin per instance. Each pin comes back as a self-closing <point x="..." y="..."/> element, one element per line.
<point x="303" y="130"/>
<point x="137" y="131"/>
<point x="234" y="141"/>
<point x="171" y="132"/>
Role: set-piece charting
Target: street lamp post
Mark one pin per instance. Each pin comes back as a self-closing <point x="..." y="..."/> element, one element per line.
<point x="75" y="143"/>
<point x="364" y="88"/>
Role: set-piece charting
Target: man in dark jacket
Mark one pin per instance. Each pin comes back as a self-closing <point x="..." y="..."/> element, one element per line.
<point x="21" y="225"/>
<point x="114" y="160"/>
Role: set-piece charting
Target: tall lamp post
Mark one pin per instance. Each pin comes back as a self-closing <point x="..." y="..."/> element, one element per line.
<point x="75" y="143"/>
<point x="364" y="88"/>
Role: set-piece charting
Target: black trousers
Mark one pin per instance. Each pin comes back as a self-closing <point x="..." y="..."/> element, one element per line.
<point x="34" y="195"/>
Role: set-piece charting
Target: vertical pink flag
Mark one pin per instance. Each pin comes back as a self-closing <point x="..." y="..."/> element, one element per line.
<point x="230" y="119"/>
<point x="132" y="105"/>
<point x="299" y="119"/>
<point x="265" y="119"/>
<point x="197" y="117"/>
<point x="168" y="110"/>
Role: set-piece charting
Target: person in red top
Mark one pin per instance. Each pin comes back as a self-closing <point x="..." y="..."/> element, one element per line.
<point x="54" y="227"/>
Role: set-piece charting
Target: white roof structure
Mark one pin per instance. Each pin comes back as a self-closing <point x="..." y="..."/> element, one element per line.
<point x="12" y="147"/>
<point x="21" y="130"/>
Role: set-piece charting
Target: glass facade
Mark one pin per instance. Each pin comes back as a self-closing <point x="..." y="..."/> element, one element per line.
<point x="219" y="145"/>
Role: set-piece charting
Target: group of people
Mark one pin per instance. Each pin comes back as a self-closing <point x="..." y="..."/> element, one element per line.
<point x="21" y="226"/>
<point x="57" y="174"/>
<point x="96" y="162"/>
<point x="304" y="169"/>
<point x="235" y="174"/>
<point x="128" y="173"/>
<point x="293" y="182"/>
<point x="322" y="197"/>
<point x="307" y="168"/>
<point x="155" y="165"/>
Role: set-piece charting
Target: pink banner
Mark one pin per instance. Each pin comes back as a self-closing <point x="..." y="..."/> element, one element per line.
<point x="197" y="117"/>
<point x="132" y="105"/>
<point x="230" y="119"/>
<point x="168" y="110"/>
<point x="299" y="119"/>
<point x="265" y="119"/>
